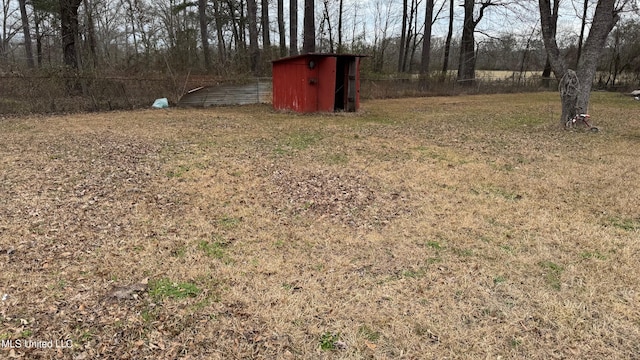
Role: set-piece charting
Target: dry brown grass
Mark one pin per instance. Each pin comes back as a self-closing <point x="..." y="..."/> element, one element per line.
<point x="462" y="227"/>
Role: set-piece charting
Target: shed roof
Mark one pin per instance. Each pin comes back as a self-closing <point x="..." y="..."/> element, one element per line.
<point x="316" y="55"/>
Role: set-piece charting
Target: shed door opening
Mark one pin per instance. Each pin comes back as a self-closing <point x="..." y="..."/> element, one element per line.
<point x="345" y="94"/>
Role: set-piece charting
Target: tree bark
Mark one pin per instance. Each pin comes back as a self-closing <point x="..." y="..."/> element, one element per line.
<point x="281" y="32"/>
<point x="27" y="33"/>
<point x="403" y="37"/>
<point x="91" y="34"/>
<point x="583" y="24"/>
<point x="326" y="19"/>
<point x="266" y="31"/>
<point x="254" y="51"/>
<point x="447" y="43"/>
<point x="340" y="13"/>
<point x="426" y="42"/>
<point x="467" y="63"/>
<point x="605" y="17"/>
<point x="219" y="32"/>
<point x="69" y="31"/>
<point x="309" y="43"/>
<point x="204" y="33"/>
<point x="293" y="27"/>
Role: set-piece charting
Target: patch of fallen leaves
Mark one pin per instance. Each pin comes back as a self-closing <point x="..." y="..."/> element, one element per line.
<point x="344" y="196"/>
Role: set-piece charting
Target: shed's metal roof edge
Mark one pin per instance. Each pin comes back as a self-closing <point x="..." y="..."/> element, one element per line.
<point x="316" y="55"/>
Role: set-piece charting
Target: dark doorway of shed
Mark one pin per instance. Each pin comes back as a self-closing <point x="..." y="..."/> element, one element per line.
<point x="345" y="99"/>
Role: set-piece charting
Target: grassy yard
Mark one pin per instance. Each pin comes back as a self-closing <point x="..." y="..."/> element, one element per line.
<point x="460" y="227"/>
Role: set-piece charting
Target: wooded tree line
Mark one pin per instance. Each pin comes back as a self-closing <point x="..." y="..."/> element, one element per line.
<point x="240" y="37"/>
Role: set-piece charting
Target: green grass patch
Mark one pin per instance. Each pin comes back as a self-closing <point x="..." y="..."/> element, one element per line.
<point x="368" y="333"/>
<point x="593" y="255"/>
<point x="626" y="224"/>
<point x="415" y="274"/>
<point x="229" y="222"/>
<point x="297" y="142"/>
<point x="179" y="171"/>
<point x="328" y="341"/>
<point x="216" y="250"/>
<point x="463" y="252"/>
<point x="503" y="193"/>
<point x="166" y="288"/>
<point x="337" y="159"/>
<point x="553" y="272"/>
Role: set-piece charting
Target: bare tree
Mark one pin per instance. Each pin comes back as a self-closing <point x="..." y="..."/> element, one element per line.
<point x="326" y="19"/>
<point x="204" y="33"/>
<point x="553" y="25"/>
<point x="447" y="44"/>
<point x="217" y="14"/>
<point x="403" y="35"/>
<point x="9" y="28"/>
<point x="69" y="31"/>
<point x="624" y="51"/>
<point x="293" y="27"/>
<point x="26" y="32"/>
<point x="577" y="84"/>
<point x="254" y="51"/>
<point x="309" y="43"/>
<point x="90" y="33"/>
<point x="467" y="64"/>
<point x="426" y="42"/>
<point x="340" y="15"/>
<point x="266" y="38"/>
<point x="583" y="25"/>
<point x="381" y="23"/>
<point x="281" y="32"/>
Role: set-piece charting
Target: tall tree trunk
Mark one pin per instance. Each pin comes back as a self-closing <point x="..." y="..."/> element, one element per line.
<point x="36" y="28"/>
<point x="27" y="33"/>
<point x="406" y="59"/>
<point x="69" y="31"/>
<point x="254" y="51"/>
<point x="583" y="24"/>
<point x="91" y="34"/>
<point x="134" y="36"/>
<point x="467" y="63"/>
<point x="219" y="32"/>
<point x="293" y="27"/>
<point x="546" y="74"/>
<point x="266" y="31"/>
<point x="553" y="25"/>
<point x="447" y="43"/>
<point x="340" y="15"/>
<point x="281" y="32"/>
<point x="604" y="19"/>
<point x="403" y="38"/>
<point x="204" y="33"/>
<point x="236" y="26"/>
<point x="309" y="42"/>
<point x="327" y="19"/>
<point x="426" y="42"/>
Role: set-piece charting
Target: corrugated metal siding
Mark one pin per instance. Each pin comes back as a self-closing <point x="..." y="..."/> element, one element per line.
<point x="303" y="88"/>
<point x="291" y="85"/>
<point x="255" y="93"/>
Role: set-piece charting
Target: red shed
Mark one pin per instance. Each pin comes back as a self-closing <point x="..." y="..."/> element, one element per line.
<point x="317" y="82"/>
